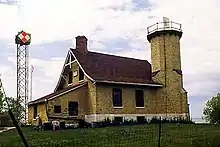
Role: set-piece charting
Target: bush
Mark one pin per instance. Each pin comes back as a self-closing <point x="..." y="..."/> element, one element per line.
<point x="82" y="123"/>
<point x="155" y="120"/>
<point x="62" y="125"/>
<point x="107" y="122"/>
<point x="178" y="120"/>
<point x="129" y="122"/>
<point x="47" y="126"/>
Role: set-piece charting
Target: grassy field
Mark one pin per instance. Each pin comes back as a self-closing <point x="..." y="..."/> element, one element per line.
<point x="173" y="135"/>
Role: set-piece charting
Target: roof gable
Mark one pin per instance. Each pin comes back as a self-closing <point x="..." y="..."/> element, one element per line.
<point x="70" y="58"/>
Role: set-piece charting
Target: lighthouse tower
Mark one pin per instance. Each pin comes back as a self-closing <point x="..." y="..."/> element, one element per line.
<point x="164" y="38"/>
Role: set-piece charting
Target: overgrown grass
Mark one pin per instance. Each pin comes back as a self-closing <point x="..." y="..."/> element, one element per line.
<point x="173" y="135"/>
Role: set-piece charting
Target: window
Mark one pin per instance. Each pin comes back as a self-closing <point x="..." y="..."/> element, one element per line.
<point x="81" y="74"/>
<point x="140" y="119"/>
<point x="57" y="109"/>
<point x="73" y="108"/>
<point x="117" y="97"/>
<point x="139" y="97"/>
<point x="70" y="77"/>
<point x="35" y="111"/>
<point x="118" y="119"/>
<point x="75" y="73"/>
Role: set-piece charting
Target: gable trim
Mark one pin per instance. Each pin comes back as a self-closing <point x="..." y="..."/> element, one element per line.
<point x="82" y="67"/>
<point x="57" y="95"/>
<point x="74" y="88"/>
<point x="70" y="63"/>
<point x="61" y="74"/>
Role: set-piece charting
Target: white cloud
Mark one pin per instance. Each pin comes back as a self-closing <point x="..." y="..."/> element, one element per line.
<point x="45" y="76"/>
<point x="9" y="20"/>
<point x="60" y="20"/>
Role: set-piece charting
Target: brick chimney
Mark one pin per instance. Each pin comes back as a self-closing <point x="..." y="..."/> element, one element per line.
<point x="81" y="44"/>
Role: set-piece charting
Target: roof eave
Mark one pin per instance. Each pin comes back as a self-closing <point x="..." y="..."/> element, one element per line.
<point x="57" y="95"/>
<point x="129" y="83"/>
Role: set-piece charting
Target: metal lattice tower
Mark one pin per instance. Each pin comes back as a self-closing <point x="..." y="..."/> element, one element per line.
<point x="23" y="41"/>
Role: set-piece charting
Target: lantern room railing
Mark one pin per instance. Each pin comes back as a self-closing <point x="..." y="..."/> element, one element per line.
<point x="160" y="26"/>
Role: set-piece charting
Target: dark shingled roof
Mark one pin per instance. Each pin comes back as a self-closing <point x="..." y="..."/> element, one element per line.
<point x="104" y="67"/>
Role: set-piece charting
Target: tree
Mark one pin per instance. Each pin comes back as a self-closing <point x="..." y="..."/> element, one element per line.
<point x="2" y="101"/>
<point x="18" y="113"/>
<point x="11" y="103"/>
<point x="212" y="110"/>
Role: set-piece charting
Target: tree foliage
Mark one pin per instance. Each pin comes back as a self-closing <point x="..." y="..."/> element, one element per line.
<point x="18" y="110"/>
<point x="2" y="102"/>
<point x="212" y="110"/>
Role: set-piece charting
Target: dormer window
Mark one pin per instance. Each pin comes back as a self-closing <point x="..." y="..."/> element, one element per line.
<point x="70" y="77"/>
<point x="81" y="74"/>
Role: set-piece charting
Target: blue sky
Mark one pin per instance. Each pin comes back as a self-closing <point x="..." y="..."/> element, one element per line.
<point x="114" y="27"/>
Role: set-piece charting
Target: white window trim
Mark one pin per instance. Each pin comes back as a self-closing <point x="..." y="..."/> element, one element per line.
<point x="140" y="107"/>
<point x="81" y="81"/>
<point x="117" y="107"/>
<point x="73" y="116"/>
<point x="57" y="113"/>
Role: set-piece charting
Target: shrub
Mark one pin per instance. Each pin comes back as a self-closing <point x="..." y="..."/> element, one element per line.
<point x="155" y="120"/>
<point x="129" y="122"/>
<point x="82" y="123"/>
<point x="47" y="126"/>
<point x="62" y="125"/>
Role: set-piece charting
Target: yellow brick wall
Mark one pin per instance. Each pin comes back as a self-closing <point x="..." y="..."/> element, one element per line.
<point x="41" y="110"/>
<point x="91" y="91"/>
<point x="79" y="95"/>
<point x="105" y="101"/>
<point x="30" y="114"/>
<point x="172" y="97"/>
<point x="92" y="98"/>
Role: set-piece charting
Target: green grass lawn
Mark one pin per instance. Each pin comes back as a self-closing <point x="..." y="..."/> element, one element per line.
<point x="134" y="136"/>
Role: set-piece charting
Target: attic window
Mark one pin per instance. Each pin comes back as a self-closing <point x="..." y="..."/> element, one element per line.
<point x="70" y="77"/>
<point x="81" y="74"/>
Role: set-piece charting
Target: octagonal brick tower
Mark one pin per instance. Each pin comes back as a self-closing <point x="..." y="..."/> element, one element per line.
<point x="164" y="38"/>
